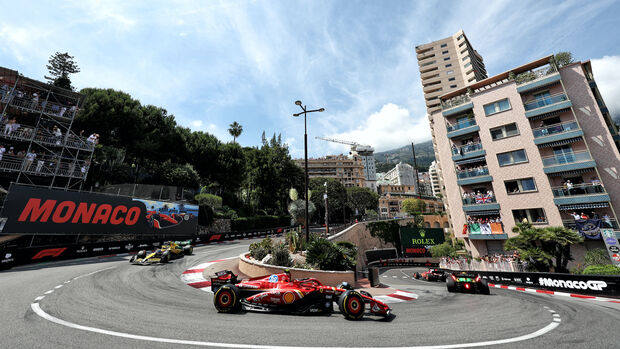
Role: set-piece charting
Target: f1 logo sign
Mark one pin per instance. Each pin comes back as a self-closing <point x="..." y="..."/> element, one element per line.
<point x="50" y="252"/>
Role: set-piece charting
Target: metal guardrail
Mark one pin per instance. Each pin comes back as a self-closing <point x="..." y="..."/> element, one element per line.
<point x="467" y="148"/>
<point x="473" y="173"/>
<point x="566" y="158"/>
<point x="555" y="129"/>
<point x="541" y="102"/>
<point x="461" y="125"/>
<point x="578" y="189"/>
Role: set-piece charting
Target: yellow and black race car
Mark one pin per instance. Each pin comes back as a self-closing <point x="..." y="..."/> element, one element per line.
<point x="169" y="250"/>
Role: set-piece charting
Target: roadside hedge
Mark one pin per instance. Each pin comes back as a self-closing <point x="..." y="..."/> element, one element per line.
<point x="602" y="269"/>
<point x="259" y="222"/>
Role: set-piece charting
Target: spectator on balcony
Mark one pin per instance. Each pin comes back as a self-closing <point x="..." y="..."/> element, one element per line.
<point x="569" y="186"/>
<point x="30" y="156"/>
<point x="2" y="151"/>
<point x="455" y="149"/>
<point x="92" y="139"/>
<point x="11" y="151"/>
<point x="57" y="135"/>
<point x="84" y="168"/>
<point x="40" y="164"/>
<point x="584" y="216"/>
<point x="576" y="216"/>
<point x="596" y="183"/>
<point x="35" y="101"/>
<point x="62" y="111"/>
<point x="540" y="220"/>
<point x="8" y="127"/>
<point x="594" y="215"/>
<point x="607" y="220"/>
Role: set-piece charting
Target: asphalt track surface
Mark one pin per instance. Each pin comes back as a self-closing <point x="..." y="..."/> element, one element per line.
<point x="114" y="300"/>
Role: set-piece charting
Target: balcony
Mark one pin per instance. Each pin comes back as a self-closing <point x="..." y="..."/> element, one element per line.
<point x="473" y="176"/>
<point x="568" y="162"/>
<point x="27" y="133"/>
<point x="467" y="151"/>
<point x="580" y="194"/>
<point x="546" y="105"/>
<point x="44" y="166"/>
<point x="557" y="132"/>
<point x="609" y="223"/>
<point x="535" y="79"/>
<point x="456" y="105"/>
<point x="50" y="108"/>
<point x="462" y="128"/>
<point x="480" y="203"/>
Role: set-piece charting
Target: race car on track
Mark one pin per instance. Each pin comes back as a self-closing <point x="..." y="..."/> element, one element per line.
<point x="467" y="282"/>
<point x="279" y="293"/>
<point x="431" y="275"/>
<point x="169" y="250"/>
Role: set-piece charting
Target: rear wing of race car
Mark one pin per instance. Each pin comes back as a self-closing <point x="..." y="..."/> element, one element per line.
<point x="222" y="278"/>
<point x="184" y="243"/>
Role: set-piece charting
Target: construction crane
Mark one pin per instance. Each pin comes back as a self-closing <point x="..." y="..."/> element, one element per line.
<point x="366" y="152"/>
<point x="360" y="149"/>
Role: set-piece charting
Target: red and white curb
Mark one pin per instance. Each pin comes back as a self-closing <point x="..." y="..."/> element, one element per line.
<point x="397" y="297"/>
<point x="194" y="276"/>
<point x="556" y="293"/>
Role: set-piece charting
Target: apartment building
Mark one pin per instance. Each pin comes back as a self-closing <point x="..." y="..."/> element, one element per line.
<point x="446" y="65"/>
<point x="401" y="174"/>
<point x="534" y="143"/>
<point x="349" y="170"/>
<point x="390" y="205"/>
<point x="434" y="178"/>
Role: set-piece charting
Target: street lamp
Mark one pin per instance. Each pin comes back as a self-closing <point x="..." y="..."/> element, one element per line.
<point x="304" y="112"/>
<point x="326" y="211"/>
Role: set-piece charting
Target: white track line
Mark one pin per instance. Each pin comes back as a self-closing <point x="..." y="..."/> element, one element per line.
<point x="37" y="309"/>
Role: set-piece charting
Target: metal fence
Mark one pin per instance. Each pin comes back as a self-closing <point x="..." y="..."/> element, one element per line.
<point x="463" y="264"/>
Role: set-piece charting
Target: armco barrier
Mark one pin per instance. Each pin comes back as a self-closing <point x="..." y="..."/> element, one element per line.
<point x="594" y="285"/>
<point x="403" y="262"/>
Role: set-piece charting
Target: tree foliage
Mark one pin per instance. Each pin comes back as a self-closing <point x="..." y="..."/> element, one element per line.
<point x="362" y="199"/>
<point x="563" y="58"/>
<point x="59" y="66"/>
<point x="413" y="207"/>
<point x="336" y="194"/>
<point x="327" y="255"/>
<point x="386" y="231"/>
<point x="235" y="130"/>
<point x="544" y="248"/>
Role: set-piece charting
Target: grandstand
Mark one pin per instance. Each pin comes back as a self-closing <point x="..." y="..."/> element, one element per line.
<point x="40" y="148"/>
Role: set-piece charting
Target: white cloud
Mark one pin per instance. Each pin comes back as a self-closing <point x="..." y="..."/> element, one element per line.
<point x="607" y="75"/>
<point x="391" y="127"/>
<point x="196" y="124"/>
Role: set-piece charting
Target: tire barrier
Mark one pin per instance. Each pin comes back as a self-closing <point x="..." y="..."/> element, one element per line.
<point x="593" y="285"/>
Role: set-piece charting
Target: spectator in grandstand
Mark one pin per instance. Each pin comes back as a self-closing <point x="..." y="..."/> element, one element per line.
<point x="8" y="127"/>
<point x="35" y="101"/>
<point x="62" y="111"/>
<point x="40" y="164"/>
<point x="2" y="151"/>
<point x="30" y="156"/>
<point x="57" y="134"/>
<point x="11" y="151"/>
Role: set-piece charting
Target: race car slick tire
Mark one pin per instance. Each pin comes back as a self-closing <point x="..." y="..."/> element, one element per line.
<point x="165" y="258"/>
<point x="132" y="259"/>
<point x="141" y="254"/>
<point x="352" y="305"/>
<point x="451" y="285"/>
<point x="484" y="287"/>
<point x="226" y="298"/>
<point x="416" y="275"/>
<point x="189" y="251"/>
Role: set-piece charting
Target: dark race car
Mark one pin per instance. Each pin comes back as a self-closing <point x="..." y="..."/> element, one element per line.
<point x="279" y="293"/>
<point x="467" y="282"/>
<point x="431" y="275"/>
<point x="169" y="250"/>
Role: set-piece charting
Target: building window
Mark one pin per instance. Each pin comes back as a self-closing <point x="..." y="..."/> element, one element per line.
<point x="504" y="131"/>
<point x="444" y="52"/>
<point x="444" y="45"/>
<point x="460" y="37"/>
<point x="448" y="65"/>
<point x="467" y="64"/>
<point x="532" y="215"/>
<point x="451" y="79"/>
<point x="452" y="86"/>
<point x="497" y="107"/>
<point x="512" y="157"/>
<point x="472" y="79"/>
<point x="450" y="72"/>
<point x="465" y="58"/>
<point x="520" y="186"/>
<point x="446" y="58"/>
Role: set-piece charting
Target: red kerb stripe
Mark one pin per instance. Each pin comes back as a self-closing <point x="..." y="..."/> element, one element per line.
<point x="503" y="286"/>
<point x="492" y="285"/>
<point x="581" y="296"/>
<point x="545" y="291"/>
<point x="405" y="298"/>
<point x="520" y="289"/>
<point x="109" y="255"/>
<point x="190" y="271"/>
<point x="200" y="284"/>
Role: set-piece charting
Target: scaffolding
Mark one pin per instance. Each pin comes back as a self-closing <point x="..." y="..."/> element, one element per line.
<point x="40" y="147"/>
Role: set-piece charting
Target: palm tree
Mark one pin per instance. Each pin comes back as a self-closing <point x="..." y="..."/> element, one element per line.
<point x="235" y="130"/>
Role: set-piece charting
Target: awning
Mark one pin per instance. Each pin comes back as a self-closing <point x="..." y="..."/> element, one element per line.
<point x="484" y="213"/>
<point x="570" y="173"/>
<point x="562" y="142"/>
<point x="470" y="161"/>
<point x="547" y="115"/>
<point x="583" y="206"/>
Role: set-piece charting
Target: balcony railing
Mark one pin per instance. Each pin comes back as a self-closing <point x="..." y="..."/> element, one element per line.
<point x="481" y="199"/>
<point x="481" y="171"/>
<point x="467" y="148"/>
<point x="453" y="102"/>
<point x="606" y="223"/>
<point x="548" y="100"/>
<point x="566" y="158"/>
<point x="578" y="189"/>
<point x="554" y="129"/>
<point x="44" y="166"/>
<point x="534" y="74"/>
<point x="27" y="133"/>
<point x="47" y="107"/>
<point x="461" y="125"/>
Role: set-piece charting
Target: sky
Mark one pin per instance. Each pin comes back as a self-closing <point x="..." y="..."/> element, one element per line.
<point x="210" y="63"/>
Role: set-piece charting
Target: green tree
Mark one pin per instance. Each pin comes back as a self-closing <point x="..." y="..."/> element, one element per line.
<point x="59" y="67"/>
<point x="443" y="250"/>
<point x="362" y="199"/>
<point x="206" y="199"/>
<point x="413" y="207"/>
<point x="336" y="195"/>
<point x="235" y="130"/>
<point x="544" y="248"/>
<point x="386" y="231"/>
<point x="563" y="58"/>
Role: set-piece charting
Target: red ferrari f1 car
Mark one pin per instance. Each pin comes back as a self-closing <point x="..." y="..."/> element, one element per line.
<point x="431" y="275"/>
<point x="278" y="293"/>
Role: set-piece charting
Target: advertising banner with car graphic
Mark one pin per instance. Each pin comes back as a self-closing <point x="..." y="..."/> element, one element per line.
<point x="35" y="210"/>
<point x="416" y="242"/>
